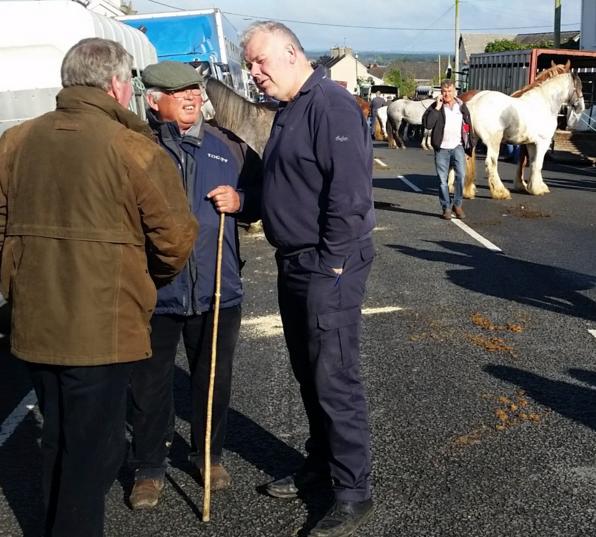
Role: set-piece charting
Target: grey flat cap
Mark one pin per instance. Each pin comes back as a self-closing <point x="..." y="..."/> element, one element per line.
<point x="170" y="75"/>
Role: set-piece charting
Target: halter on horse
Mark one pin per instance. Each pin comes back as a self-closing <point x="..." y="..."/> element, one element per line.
<point x="530" y="118"/>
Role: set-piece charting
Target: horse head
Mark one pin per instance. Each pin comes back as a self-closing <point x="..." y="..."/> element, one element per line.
<point x="251" y="122"/>
<point x="575" y="100"/>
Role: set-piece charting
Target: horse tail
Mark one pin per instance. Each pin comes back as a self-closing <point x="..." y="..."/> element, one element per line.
<point x="469" y="186"/>
<point x="389" y="127"/>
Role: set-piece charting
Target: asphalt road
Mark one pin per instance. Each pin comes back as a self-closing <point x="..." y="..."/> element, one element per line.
<point x="479" y="367"/>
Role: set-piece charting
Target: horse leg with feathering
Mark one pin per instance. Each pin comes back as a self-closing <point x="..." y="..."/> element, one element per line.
<point x="527" y="117"/>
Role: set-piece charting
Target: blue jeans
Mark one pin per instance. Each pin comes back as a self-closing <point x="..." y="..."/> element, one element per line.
<point x="445" y="159"/>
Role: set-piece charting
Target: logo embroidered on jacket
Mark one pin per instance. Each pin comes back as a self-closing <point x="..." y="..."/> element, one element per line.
<point x="341" y="138"/>
<point x="217" y="157"/>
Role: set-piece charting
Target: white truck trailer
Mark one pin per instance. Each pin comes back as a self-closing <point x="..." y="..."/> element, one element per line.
<point x="34" y="37"/>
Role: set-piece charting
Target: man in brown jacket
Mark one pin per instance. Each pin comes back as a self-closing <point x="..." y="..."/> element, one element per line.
<point x="92" y="218"/>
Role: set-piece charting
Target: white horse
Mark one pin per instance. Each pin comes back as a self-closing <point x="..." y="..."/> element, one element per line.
<point x="528" y="117"/>
<point x="411" y="112"/>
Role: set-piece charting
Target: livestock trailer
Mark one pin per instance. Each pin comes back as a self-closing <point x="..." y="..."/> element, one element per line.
<point x="35" y="36"/>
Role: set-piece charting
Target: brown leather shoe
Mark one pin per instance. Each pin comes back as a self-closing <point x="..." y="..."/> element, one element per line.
<point x="459" y="212"/>
<point x="220" y="478"/>
<point x="145" y="493"/>
<point x="446" y="214"/>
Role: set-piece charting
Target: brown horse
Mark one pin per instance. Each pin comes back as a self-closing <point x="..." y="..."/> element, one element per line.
<point x="364" y="105"/>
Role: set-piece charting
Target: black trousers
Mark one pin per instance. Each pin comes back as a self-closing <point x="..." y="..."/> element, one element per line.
<point x="82" y="442"/>
<point x="321" y="319"/>
<point x="151" y="385"/>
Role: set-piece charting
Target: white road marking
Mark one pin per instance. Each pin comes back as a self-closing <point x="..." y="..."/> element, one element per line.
<point x="270" y="325"/>
<point x="17" y="416"/>
<point x="385" y="309"/>
<point x="485" y="242"/>
<point x="381" y="163"/>
<point x="475" y="235"/>
<point x="409" y="183"/>
<point x="592" y="331"/>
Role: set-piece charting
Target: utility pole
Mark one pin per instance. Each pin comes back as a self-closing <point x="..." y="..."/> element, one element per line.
<point x="456" y="75"/>
<point x="557" y="43"/>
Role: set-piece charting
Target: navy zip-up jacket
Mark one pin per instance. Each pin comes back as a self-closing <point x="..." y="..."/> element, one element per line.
<point x="317" y="184"/>
<point x="208" y="157"/>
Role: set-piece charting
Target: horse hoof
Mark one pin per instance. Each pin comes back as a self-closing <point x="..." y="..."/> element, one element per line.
<point x="502" y="195"/>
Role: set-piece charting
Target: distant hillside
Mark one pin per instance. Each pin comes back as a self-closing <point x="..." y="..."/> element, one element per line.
<point x="383" y="58"/>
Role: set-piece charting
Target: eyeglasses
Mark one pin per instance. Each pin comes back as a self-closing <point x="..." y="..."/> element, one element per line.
<point x="181" y="94"/>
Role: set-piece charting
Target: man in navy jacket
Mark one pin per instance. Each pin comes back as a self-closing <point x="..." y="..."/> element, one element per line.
<point x="318" y="213"/>
<point x="219" y="174"/>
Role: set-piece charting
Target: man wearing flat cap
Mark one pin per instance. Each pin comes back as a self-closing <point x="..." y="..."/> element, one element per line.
<point x="220" y="175"/>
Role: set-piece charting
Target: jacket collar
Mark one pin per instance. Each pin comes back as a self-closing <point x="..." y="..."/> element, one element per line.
<point x="313" y="80"/>
<point x="97" y="100"/>
<point x="170" y="130"/>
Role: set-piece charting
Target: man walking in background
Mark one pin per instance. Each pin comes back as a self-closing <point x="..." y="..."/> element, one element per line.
<point x="92" y="215"/>
<point x="318" y="213"/>
<point x="450" y="122"/>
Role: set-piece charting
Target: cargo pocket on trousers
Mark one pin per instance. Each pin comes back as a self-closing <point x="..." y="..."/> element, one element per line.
<point x="341" y="334"/>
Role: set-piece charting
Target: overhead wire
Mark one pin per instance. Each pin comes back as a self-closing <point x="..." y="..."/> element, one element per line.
<point x="366" y="27"/>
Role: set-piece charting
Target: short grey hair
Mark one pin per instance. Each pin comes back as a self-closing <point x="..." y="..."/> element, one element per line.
<point x="447" y="82"/>
<point x="269" y="27"/>
<point x="93" y="62"/>
<point x="156" y="93"/>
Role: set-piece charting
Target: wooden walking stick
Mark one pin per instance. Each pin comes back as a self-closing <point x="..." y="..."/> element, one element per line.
<point x="207" y="461"/>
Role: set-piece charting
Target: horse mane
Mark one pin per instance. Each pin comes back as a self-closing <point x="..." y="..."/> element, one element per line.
<point x="251" y="122"/>
<point x="546" y="74"/>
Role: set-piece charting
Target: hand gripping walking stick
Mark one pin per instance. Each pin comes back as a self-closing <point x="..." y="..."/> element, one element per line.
<point x="207" y="461"/>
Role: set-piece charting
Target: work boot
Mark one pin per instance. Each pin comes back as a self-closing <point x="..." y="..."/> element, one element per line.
<point x="145" y="493"/>
<point x="343" y="519"/>
<point x="459" y="212"/>
<point x="220" y="478"/>
<point x="446" y="214"/>
<point x="302" y="480"/>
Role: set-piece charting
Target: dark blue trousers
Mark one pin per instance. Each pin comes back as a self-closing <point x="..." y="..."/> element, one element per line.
<point x="82" y="442"/>
<point x="321" y="317"/>
<point x="152" y="413"/>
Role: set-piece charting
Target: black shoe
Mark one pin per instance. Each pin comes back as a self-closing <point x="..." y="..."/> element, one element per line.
<point x="343" y="519"/>
<point x="291" y="485"/>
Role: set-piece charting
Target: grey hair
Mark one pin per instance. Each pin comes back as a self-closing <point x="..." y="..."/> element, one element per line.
<point x="93" y="62"/>
<point x="269" y="27"/>
<point x="446" y="83"/>
<point x="156" y="93"/>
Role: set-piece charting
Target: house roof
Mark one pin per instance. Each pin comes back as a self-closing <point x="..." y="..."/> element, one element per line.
<point x="332" y="61"/>
<point x="547" y="36"/>
<point x="475" y="43"/>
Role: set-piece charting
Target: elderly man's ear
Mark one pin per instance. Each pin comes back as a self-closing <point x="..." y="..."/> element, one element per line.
<point x="152" y="102"/>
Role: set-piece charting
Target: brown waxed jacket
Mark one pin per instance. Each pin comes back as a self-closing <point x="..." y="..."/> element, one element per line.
<point x="92" y="216"/>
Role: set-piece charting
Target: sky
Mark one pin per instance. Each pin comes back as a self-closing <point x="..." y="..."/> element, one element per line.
<point x="387" y="25"/>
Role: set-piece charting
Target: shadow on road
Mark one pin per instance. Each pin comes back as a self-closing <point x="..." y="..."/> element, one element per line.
<point x="570" y="400"/>
<point x="496" y="274"/>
